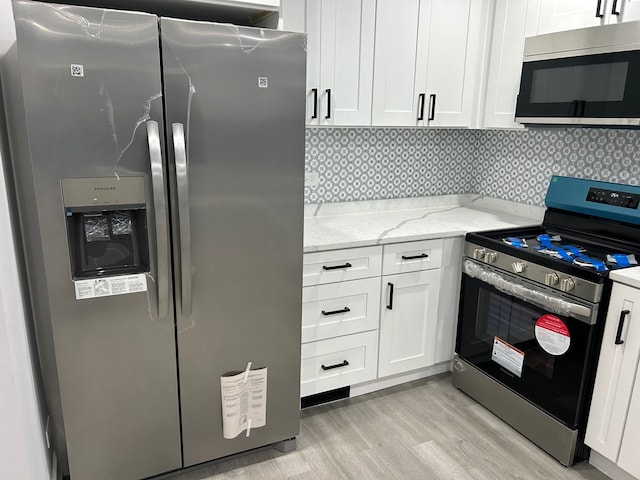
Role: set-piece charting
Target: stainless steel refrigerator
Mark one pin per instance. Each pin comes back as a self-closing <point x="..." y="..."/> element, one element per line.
<point x="158" y="167"/>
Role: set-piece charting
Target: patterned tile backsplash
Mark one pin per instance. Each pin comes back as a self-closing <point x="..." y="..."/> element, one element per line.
<point x="379" y="163"/>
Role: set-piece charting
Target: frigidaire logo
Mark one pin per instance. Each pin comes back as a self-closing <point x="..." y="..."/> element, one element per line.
<point x="104" y="188"/>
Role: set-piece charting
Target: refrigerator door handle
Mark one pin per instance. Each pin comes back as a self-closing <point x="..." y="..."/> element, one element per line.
<point x="160" y="209"/>
<point x="182" y="182"/>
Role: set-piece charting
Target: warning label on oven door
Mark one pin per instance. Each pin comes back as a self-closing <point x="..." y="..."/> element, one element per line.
<point x="507" y="356"/>
<point x="552" y="334"/>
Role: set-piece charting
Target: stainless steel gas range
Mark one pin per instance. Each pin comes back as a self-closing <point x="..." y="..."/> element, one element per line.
<point x="532" y="309"/>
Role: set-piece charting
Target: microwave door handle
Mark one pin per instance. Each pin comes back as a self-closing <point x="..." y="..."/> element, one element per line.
<point x="160" y="210"/>
<point x="182" y="183"/>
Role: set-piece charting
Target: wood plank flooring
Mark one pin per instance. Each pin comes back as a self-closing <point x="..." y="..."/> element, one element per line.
<point x="426" y="429"/>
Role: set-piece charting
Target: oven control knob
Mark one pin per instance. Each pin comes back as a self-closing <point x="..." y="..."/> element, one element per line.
<point x="567" y="284"/>
<point x="478" y="253"/>
<point x="490" y="257"/>
<point x="551" y="279"/>
<point x="518" y="267"/>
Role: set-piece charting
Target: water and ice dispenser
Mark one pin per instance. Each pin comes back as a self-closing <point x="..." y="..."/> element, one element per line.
<point x="106" y="226"/>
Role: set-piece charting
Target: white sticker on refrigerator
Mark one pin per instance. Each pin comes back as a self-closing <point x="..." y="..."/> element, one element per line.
<point x="507" y="356"/>
<point x="552" y="334"/>
<point x="244" y="401"/>
<point x="106" y="287"/>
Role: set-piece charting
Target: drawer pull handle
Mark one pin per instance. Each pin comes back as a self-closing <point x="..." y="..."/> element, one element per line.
<point x="390" y="303"/>
<point x="336" y="267"/>
<point x="337" y="365"/>
<point x="623" y="314"/>
<point x="335" y="312"/>
<point x="414" y="257"/>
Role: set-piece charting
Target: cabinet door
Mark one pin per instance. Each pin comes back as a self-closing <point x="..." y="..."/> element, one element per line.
<point x="616" y="373"/>
<point x="408" y="321"/>
<point x="629" y="459"/>
<point x="427" y="61"/>
<point x="340" y="308"/>
<point x="340" y="39"/>
<point x="454" y="53"/>
<point x="338" y="362"/>
<point x="346" y="61"/>
<point x="627" y="11"/>
<point x="399" y="74"/>
<point x="560" y="15"/>
<point x="505" y="64"/>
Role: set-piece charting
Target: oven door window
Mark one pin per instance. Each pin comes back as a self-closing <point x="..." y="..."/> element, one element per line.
<point x="497" y="334"/>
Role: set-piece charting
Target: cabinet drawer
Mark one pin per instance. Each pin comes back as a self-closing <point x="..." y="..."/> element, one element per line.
<point x="340" y="265"/>
<point x="340" y="308"/>
<point x="346" y="360"/>
<point x="412" y="256"/>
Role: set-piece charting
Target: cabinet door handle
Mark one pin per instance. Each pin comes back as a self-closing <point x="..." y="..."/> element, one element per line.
<point x="421" y="106"/>
<point x="336" y="267"/>
<point x="315" y="102"/>
<point x="337" y="365"/>
<point x="599" y="12"/>
<point x="390" y="302"/>
<point x="328" y="115"/>
<point x="614" y="8"/>
<point x="623" y="314"/>
<point x="335" y="312"/>
<point x="432" y="107"/>
<point x="414" y="257"/>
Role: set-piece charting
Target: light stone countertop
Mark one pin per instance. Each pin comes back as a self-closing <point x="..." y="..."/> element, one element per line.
<point x="627" y="276"/>
<point x="333" y="226"/>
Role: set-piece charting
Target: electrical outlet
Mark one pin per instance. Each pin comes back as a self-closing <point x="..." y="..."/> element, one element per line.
<point x="311" y="179"/>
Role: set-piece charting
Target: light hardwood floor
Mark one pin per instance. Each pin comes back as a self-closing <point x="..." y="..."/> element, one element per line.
<point x="426" y="429"/>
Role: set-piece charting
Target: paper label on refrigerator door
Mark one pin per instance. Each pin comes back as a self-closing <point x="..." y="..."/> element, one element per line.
<point x="105" y="287"/>
<point x="552" y="334"/>
<point x="244" y="401"/>
<point x="507" y="356"/>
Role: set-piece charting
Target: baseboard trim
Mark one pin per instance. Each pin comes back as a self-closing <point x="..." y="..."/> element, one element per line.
<point x="609" y="468"/>
<point x="382" y="383"/>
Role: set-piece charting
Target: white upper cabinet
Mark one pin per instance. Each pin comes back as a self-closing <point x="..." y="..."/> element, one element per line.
<point x="505" y="64"/>
<point x="427" y="61"/>
<point x="560" y="15"/>
<point x="340" y="40"/>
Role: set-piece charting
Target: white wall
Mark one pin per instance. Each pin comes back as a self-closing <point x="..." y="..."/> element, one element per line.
<point x="22" y="447"/>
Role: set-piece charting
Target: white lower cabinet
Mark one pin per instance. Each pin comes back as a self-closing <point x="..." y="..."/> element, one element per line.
<point x="341" y="308"/>
<point x="338" y="362"/>
<point x="613" y="429"/>
<point x="408" y="321"/>
<point x="372" y="312"/>
<point x="629" y="459"/>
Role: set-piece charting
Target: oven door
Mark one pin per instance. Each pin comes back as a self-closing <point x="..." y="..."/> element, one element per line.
<point x="531" y="340"/>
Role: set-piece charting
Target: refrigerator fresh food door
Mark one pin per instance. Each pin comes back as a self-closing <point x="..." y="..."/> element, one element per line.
<point x="92" y="107"/>
<point x="234" y="100"/>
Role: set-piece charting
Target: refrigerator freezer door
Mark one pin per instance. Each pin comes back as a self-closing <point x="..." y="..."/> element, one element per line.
<point x="239" y="93"/>
<point x="91" y="81"/>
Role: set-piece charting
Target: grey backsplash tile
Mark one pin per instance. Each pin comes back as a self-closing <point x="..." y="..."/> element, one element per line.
<point x="379" y="163"/>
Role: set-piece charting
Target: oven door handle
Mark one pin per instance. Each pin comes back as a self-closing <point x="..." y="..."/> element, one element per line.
<point x="523" y="292"/>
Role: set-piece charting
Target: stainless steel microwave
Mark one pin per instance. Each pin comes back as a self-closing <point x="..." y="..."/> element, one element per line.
<point x="588" y="76"/>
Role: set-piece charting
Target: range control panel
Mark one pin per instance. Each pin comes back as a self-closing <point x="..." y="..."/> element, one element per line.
<point x="612" y="197"/>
